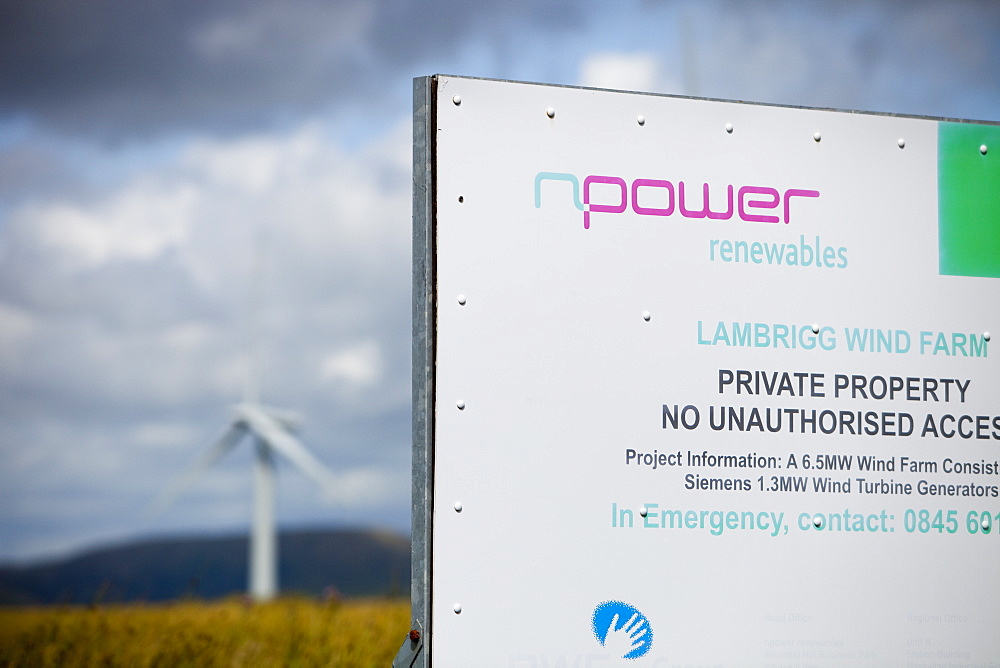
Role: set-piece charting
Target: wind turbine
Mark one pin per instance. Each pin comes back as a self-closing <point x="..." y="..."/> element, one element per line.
<point x="272" y="432"/>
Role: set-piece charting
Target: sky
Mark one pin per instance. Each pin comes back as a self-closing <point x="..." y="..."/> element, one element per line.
<point x="183" y="183"/>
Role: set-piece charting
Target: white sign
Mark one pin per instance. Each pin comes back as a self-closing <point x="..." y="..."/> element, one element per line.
<point x="713" y="383"/>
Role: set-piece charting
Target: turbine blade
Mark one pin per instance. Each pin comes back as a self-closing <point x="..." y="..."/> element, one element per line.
<point x="290" y="420"/>
<point x="276" y="434"/>
<point x="209" y="457"/>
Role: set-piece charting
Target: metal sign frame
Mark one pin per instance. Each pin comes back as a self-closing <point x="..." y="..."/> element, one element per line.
<point x="416" y="647"/>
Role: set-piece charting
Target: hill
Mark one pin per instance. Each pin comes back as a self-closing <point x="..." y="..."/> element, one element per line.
<point x="357" y="562"/>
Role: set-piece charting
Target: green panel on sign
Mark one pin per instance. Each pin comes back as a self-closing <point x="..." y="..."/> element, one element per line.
<point x="969" y="200"/>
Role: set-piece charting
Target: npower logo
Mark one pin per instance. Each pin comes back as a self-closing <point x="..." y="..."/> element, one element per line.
<point x="657" y="197"/>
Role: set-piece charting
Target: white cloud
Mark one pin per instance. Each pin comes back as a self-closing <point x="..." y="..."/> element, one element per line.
<point x="621" y="71"/>
<point x="16" y="325"/>
<point x="163" y="434"/>
<point x="359" y="365"/>
<point x="248" y="165"/>
<point x="138" y="224"/>
<point x="187" y="337"/>
<point x="152" y="281"/>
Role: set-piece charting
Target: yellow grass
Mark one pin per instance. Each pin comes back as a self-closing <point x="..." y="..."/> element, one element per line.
<point x="289" y="632"/>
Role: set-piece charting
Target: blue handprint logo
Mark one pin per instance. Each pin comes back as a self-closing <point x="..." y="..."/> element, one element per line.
<point x="622" y="629"/>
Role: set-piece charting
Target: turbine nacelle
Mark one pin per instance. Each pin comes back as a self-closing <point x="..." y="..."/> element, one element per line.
<point x="289" y="419"/>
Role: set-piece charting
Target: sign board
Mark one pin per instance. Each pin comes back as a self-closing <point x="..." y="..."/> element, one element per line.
<point x="702" y="382"/>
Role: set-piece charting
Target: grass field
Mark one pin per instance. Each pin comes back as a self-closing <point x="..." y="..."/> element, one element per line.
<point x="287" y="632"/>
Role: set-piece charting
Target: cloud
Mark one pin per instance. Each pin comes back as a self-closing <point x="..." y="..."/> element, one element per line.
<point x="621" y="71"/>
<point x="919" y="57"/>
<point x="136" y="225"/>
<point x="136" y="69"/>
<point x="16" y="325"/>
<point x="162" y="434"/>
<point x="358" y="365"/>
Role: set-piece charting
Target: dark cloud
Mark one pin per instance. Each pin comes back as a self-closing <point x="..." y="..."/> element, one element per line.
<point x="921" y="57"/>
<point x="120" y="69"/>
<point x="135" y="69"/>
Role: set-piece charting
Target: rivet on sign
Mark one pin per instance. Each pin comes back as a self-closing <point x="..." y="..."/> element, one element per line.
<point x="461" y="199"/>
<point x="457" y="99"/>
<point x="986" y="522"/>
<point x="817" y="136"/>
<point x="461" y="300"/>
<point x="729" y="128"/>
<point x="986" y="336"/>
<point x="983" y="149"/>
<point x="901" y="142"/>
<point x="460" y="404"/>
<point x="641" y="120"/>
<point x="414" y="635"/>
<point x="646" y="316"/>
<point x="457" y="608"/>
<point x="550" y="112"/>
<point x="458" y="506"/>
<point x="818" y="521"/>
<point x="815" y="328"/>
<point x="644" y="511"/>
